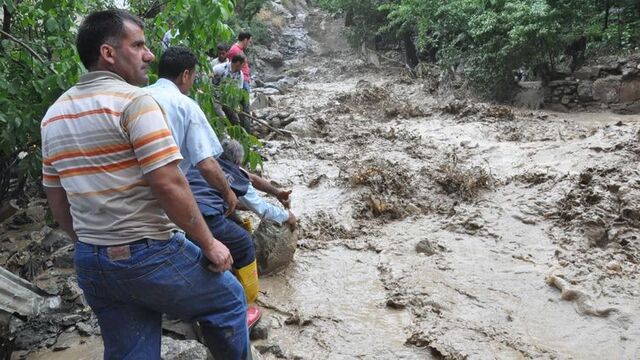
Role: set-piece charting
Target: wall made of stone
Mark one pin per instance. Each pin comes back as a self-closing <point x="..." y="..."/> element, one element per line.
<point x="611" y="83"/>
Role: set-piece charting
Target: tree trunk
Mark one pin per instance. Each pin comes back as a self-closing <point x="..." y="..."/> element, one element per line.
<point x="6" y="24"/>
<point x="410" y="50"/>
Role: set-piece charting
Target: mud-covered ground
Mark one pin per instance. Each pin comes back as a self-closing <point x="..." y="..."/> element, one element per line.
<point x="440" y="228"/>
<point x="433" y="227"/>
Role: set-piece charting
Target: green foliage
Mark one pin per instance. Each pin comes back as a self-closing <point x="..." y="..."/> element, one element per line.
<point x="493" y="38"/>
<point x="247" y="9"/>
<point x="362" y="18"/>
<point x="260" y="33"/>
<point x="38" y="62"/>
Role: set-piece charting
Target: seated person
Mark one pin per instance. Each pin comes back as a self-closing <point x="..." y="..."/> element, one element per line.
<point x="235" y="237"/>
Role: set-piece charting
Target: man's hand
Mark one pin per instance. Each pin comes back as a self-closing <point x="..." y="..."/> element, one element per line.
<point x="283" y="197"/>
<point x="219" y="256"/>
<point x="232" y="201"/>
<point x="214" y="175"/>
<point x="291" y="221"/>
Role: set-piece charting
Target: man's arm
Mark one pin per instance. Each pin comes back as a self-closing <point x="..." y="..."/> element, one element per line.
<point x="171" y="189"/>
<point x="61" y="210"/>
<point x="262" y="208"/>
<point x="213" y="174"/>
<point x="265" y="186"/>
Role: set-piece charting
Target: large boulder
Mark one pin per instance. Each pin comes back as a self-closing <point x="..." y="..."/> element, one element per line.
<point x="272" y="57"/>
<point x="607" y="90"/>
<point x="630" y="91"/>
<point x="275" y="246"/>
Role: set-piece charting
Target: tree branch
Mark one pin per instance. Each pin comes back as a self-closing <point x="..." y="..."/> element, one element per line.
<point x="24" y="45"/>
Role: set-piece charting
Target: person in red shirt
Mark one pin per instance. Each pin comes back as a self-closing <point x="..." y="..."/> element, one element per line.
<point x="244" y="40"/>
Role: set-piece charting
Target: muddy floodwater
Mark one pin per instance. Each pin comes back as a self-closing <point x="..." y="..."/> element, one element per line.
<point x="441" y="228"/>
<point x="435" y="228"/>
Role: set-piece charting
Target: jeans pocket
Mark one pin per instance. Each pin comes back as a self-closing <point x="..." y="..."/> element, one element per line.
<point x="158" y="284"/>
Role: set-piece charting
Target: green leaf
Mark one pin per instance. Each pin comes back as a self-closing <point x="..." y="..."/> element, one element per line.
<point x="52" y="25"/>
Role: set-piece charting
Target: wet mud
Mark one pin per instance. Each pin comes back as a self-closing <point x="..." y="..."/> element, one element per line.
<point x="441" y="228"/>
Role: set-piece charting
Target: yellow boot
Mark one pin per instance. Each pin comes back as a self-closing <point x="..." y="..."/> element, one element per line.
<point x="248" y="277"/>
<point x="247" y="224"/>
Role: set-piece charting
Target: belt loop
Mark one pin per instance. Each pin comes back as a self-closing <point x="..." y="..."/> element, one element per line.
<point x="95" y="249"/>
<point x="149" y="242"/>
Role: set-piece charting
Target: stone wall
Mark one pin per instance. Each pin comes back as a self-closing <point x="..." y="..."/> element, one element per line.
<point x="610" y="83"/>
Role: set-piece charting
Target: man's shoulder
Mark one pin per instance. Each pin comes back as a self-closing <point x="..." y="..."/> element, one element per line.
<point x="235" y="49"/>
<point x="78" y="97"/>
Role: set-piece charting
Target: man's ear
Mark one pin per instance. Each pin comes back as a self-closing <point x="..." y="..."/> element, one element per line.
<point x="108" y="53"/>
<point x="184" y="76"/>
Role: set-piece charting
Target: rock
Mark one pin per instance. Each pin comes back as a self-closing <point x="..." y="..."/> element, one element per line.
<point x="585" y="92"/>
<point x="565" y="100"/>
<point x="531" y="95"/>
<point x="275" y="246"/>
<point x="587" y="73"/>
<point x="304" y="127"/>
<point x="630" y="72"/>
<point x="261" y="101"/>
<point x="63" y="257"/>
<point x="71" y="291"/>
<point x="256" y="354"/>
<point x="267" y="91"/>
<point x="55" y="239"/>
<point x="626" y="108"/>
<point x="273" y="349"/>
<point x="630" y="91"/>
<point x="84" y="329"/>
<point x="182" y="350"/>
<point x="64" y="342"/>
<point x="71" y="319"/>
<point x="37" y="213"/>
<point x="274" y="78"/>
<point x="272" y="57"/>
<point x="283" y="85"/>
<point x="607" y="90"/>
<point x="614" y="266"/>
<point x="425" y="247"/>
<point x="413" y="209"/>
<point x="261" y="330"/>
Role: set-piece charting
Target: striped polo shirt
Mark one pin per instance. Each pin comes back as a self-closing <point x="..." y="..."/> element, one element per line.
<point x="98" y="139"/>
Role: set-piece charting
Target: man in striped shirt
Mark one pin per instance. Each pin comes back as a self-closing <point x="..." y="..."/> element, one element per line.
<point x="110" y="172"/>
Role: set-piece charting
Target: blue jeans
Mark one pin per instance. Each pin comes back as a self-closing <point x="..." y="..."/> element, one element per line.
<point x="130" y="287"/>
<point x="234" y="237"/>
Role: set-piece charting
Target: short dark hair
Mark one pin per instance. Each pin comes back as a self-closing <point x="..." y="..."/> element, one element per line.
<point x="102" y="27"/>
<point x="237" y="58"/>
<point x="244" y="35"/>
<point x="175" y="61"/>
<point x="224" y="47"/>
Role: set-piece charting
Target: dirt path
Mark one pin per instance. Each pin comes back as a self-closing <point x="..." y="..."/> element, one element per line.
<point x="434" y="228"/>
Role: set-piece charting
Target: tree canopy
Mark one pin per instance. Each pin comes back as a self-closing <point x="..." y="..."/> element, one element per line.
<point x="38" y="62"/>
<point x="493" y="38"/>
